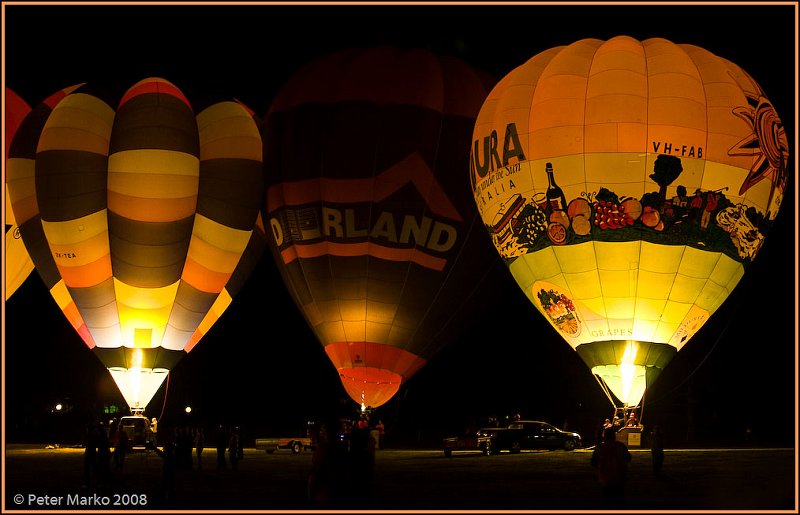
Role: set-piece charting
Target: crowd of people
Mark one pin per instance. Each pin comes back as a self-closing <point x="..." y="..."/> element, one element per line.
<point x="611" y="456"/>
<point x="343" y="464"/>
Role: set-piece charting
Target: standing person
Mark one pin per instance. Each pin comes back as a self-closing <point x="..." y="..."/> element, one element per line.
<point x="329" y="477"/>
<point x="120" y="443"/>
<point x="233" y="448"/>
<point x="199" y="444"/>
<point x="103" y="456"/>
<point x="657" y="449"/>
<point x="611" y="459"/>
<point x="381" y="432"/>
<point x="222" y="442"/>
<point x="89" y="455"/>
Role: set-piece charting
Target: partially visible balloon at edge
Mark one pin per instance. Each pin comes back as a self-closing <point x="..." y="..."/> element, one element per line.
<point x="17" y="260"/>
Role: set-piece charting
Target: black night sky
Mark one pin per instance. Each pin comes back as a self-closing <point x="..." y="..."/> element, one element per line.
<point x="261" y="366"/>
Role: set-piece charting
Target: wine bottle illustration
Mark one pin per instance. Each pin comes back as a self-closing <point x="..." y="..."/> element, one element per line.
<point x="555" y="196"/>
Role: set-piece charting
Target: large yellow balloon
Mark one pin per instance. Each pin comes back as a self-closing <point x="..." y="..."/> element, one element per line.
<point x="139" y="218"/>
<point x="628" y="184"/>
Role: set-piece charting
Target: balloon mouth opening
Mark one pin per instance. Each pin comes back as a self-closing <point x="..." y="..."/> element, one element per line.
<point x="369" y="386"/>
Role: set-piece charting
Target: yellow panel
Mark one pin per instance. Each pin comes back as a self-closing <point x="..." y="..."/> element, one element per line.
<point x="620" y="307"/>
<point x="380" y="312"/>
<point x="61" y="294"/>
<point x="726" y="271"/>
<point x="592" y="309"/>
<point x="330" y="332"/>
<point x="576" y="258"/>
<point x="617" y="283"/>
<point x="522" y="273"/>
<point x="222" y="302"/>
<point x="686" y="289"/>
<point x="20" y="175"/>
<point x="649" y="309"/>
<point x="698" y="263"/>
<point x="77" y="107"/>
<point x="77" y="230"/>
<point x="329" y="310"/>
<point x="654" y="285"/>
<point x="675" y="312"/>
<point x="67" y="138"/>
<point x="626" y="171"/>
<point x="378" y="332"/>
<point x="644" y="330"/>
<point x="218" y="235"/>
<point x="128" y="332"/>
<point x="542" y="264"/>
<point x="556" y="142"/>
<point x="711" y="296"/>
<point x="142" y="337"/>
<point x="355" y="331"/>
<point x="353" y="310"/>
<point x="735" y="278"/>
<point x="145" y="298"/>
<point x="155" y="162"/>
<point x="585" y="285"/>
<point x="660" y="258"/>
<point x="212" y="257"/>
<point x="622" y="255"/>
<point x="615" y="108"/>
<point x="559" y="112"/>
<point x="665" y="332"/>
<point x="597" y="328"/>
<point x="166" y="186"/>
<point x="131" y="318"/>
<point x="82" y="253"/>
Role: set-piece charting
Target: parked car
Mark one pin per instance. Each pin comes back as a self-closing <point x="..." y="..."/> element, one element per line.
<point x="469" y="442"/>
<point x="530" y="434"/>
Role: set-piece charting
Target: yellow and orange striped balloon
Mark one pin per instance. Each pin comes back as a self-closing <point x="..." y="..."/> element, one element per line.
<point x="138" y="218"/>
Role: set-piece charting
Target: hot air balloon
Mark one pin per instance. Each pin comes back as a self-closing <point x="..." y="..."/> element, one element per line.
<point x="17" y="262"/>
<point x="377" y="239"/>
<point x="628" y="185"/>
<point x="139" y="219"/>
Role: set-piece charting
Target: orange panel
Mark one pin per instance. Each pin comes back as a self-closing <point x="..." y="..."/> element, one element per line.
<point x="202" y="278"/>
<point x="151" y="209"/>
<point x="370" y="386"/>
<point x="86" y="336"/>
<point x="154" y="85"/>
<point x="88" y="275"/>
<point x="373" y="355"/>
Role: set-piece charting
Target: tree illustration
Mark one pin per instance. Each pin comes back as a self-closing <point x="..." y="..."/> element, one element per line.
<point x="665" y="170"/>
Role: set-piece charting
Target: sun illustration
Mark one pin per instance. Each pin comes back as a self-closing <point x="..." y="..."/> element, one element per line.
<point x="767" y="143"/>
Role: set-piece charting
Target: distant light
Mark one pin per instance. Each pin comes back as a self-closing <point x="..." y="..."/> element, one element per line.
<point x="59" y="406"/>
<point x="188" y="409"/>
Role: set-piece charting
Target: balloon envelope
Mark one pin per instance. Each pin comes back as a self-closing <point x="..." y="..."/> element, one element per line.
<point x="17" y="261"/>
<point x="628" y="185"/>
<point x="372" y="228"/>
<point x="139" y="219"/>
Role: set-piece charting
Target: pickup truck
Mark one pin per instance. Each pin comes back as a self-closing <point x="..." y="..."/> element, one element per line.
<point x="529" y="434"/>
<point x="295" y="444"/>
